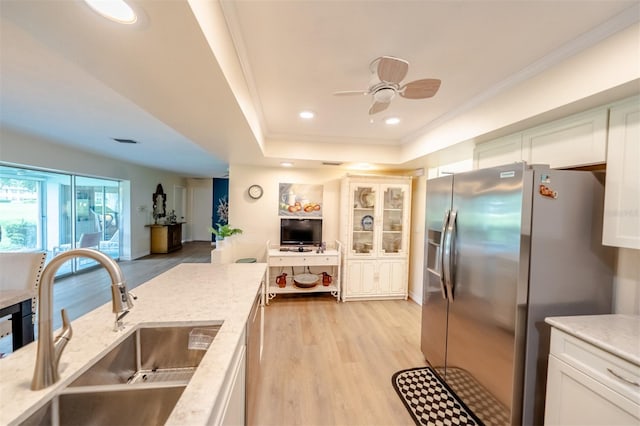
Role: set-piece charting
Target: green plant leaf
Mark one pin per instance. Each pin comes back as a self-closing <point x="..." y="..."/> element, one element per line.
<point x="224" y="231"/>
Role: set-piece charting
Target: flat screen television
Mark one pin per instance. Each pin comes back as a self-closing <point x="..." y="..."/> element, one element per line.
<point x="300" y="232"/>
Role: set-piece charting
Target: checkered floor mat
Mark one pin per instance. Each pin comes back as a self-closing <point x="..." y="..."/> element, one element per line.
<point x="478" y="399"/>
<point x="430" y="401"/>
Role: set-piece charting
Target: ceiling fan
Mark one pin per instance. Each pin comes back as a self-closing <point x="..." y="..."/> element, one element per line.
<point x="386" y="74"/>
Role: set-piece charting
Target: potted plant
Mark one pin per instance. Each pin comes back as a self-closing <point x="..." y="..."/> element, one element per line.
<point x="224" y="231"/>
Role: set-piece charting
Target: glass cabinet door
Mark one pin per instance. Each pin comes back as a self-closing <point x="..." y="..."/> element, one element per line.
<point x="392" y="218"/>
<point x="363" y="220"/>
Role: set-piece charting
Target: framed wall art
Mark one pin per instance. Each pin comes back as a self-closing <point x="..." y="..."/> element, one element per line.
<point x="300" y="200"/>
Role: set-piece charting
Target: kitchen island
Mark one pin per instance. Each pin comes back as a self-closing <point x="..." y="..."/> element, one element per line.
<point x="189" y="294"/>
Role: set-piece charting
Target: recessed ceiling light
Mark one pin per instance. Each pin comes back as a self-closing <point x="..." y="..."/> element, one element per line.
<point x="392" y="121"/>
<point x="286" y="164"/>
<point x="307" y="115"/>
<point x="115" y="10"/>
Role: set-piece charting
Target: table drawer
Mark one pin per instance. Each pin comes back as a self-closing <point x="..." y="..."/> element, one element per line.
<point x="609" y="369"/>
<point x="302" y="260"/>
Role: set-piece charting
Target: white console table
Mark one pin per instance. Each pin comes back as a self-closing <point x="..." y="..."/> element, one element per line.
<point x="303" y="262"/>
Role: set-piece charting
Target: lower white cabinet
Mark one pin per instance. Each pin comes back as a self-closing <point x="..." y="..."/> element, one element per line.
<point x="368" y="279"/>
<point x="589" y="386"/>
<point x="234" y="413"/>
<point x="621" y="226"/>
<point x="230" y="406"/>
<point x="236" y="403"/>
<point x="255" y="334"/>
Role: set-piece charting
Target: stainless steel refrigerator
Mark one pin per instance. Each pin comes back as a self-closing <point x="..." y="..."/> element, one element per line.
<point x="506" y="247"/>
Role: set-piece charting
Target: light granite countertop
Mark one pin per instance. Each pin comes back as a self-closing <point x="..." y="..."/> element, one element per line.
<point x="198" y="293"/>
<point x="617" y="334"/>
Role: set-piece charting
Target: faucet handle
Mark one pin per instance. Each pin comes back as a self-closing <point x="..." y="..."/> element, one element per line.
<point x="67" y="331"/>
<point x="62" y="339"/>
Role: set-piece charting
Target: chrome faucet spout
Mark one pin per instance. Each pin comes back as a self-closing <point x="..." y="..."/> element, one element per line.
<point x="50" y="350"/>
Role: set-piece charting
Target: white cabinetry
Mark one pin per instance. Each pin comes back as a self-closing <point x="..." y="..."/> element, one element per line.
<point x="589" y="386"/>
<point x="450" y="168"/>
<point x="574" y="141"/>
<point x="237" y="400"/>
<point x="622" y="190"/>
<point x="374" y="225"/>
<point x="293" y="262"/>
<point x="230" y="407"/>
<point x="255" y="334"/>
<point x="578" y="140"/>
<point x="500" y="151"/>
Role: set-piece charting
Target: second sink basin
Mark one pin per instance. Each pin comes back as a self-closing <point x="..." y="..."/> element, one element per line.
<point x="133" y="406"/>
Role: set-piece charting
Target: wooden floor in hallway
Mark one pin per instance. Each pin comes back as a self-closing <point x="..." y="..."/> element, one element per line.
<point x="328" y="363"/>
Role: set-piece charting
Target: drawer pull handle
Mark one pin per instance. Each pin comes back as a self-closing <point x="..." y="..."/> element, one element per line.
<point x="631" y="382"/>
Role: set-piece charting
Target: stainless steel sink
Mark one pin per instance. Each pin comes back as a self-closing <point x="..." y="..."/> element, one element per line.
<point x="132" y="406"/>
<point x="137" y="382"/>
<point x="150" y="354"/>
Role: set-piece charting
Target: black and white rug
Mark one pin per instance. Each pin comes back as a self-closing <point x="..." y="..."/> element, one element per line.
<point x="479" y="400"/>
<point x="429" y="400"/>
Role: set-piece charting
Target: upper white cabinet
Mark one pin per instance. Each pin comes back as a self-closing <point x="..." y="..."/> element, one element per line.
<point x="374" y="226"/>
<point x="578" y="140"/>
<point x="500" y="151"/>
<point x="450" y="168"/>
<point x="622" y="191"/>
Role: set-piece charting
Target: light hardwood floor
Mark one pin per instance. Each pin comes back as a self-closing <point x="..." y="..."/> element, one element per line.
<point x="329" y="363"/>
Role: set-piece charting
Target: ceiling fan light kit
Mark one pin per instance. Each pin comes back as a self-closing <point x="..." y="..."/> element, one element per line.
<point x="386" y="74"/>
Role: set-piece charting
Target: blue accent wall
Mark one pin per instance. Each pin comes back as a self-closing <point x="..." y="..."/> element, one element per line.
<point x="220" y="194"/>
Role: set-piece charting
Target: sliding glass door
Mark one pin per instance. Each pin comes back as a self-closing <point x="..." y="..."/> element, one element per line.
<point x="97" y="203"/>
<point x="41" y="210"/>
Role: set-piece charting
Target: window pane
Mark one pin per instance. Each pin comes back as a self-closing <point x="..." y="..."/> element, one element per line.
<point x="42" y="210"/>
<point x="97" y="206"/>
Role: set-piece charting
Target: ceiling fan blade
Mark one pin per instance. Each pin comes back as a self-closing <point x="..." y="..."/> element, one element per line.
<point x="420" y="89"/>
<point x="352" y="92"/>
<point x="376" y="107"/>
<point x="392" y="70"/>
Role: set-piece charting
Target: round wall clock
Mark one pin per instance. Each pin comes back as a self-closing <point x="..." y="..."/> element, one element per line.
<point x="255" y="191"/>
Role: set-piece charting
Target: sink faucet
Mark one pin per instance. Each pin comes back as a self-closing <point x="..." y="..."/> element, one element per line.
<point x="49" y="350"/>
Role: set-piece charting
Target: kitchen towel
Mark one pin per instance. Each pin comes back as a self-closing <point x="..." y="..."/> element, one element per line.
<point x="429" y="400"/>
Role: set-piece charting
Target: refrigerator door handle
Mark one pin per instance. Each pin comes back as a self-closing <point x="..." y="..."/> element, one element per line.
<point x="449" y="253"/>
<point x="445" y="224"/>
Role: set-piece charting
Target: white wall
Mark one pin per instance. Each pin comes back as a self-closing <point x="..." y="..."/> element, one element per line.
<point x="626" y="295"/>
<point x="199" y="210"/>
<point x="29" y="151"/>
<point x="259" y="218"/>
